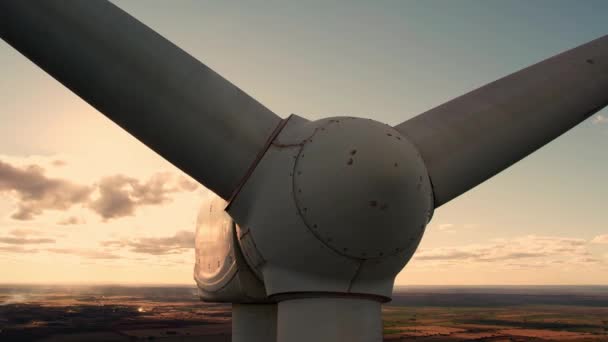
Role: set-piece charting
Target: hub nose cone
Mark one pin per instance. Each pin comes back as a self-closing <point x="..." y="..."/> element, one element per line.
<point x="362" y="188"/>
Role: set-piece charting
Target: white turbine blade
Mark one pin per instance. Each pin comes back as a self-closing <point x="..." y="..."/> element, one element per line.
<point x="154" y="90"/>
<point x="475" y="136"/>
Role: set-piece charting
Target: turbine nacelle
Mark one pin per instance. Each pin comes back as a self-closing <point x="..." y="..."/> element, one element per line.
<point x="337" y="205"/>
<point x="220" y="271"/>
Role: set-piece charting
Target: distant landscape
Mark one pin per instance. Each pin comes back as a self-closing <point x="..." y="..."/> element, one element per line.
<point x="421" y="313"/>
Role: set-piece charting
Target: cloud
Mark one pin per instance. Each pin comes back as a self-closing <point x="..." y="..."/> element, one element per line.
<point x="601" y="239"/>
<point x="72" y="220"/>
<point x="449" y="254"/>
<point x="452" y="228"/>
<point x="600" y="119"/>
<point x="36" y="192"/>
<point x="24" y="232"/>
<point x="112" y="197"/>
<point x="529" y="250"/>
<point x="24" y="241"/>
<point x="120" y="195"/>
<point x="85" y="253"/>
<point x="445" y="226"/>
<point x="16" y="249"/>
<point x="178" y="243"/>
<point x="59" y="163"/>
<point x="186" y="184"/>
<point x="20" y="237"/>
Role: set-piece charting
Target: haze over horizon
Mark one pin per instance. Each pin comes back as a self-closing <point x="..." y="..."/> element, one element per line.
<point x="82" y="201"/>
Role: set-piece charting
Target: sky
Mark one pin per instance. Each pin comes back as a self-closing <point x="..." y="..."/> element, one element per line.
<point x="81" y="201"/>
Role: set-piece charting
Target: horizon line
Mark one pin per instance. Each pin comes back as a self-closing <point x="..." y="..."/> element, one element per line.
<point x="145" y="284"/>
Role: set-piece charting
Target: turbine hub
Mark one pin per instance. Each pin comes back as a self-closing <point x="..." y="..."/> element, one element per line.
<point x="362" y="188"/>
<point x="337" y="205"/>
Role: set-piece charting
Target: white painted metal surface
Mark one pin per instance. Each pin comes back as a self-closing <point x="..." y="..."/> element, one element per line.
<point x="360" y="187"/>
<point x="273" y="237"/>
<point x="215" y="262"/>
<point x="220" y="271"/>
<point x="329" y="320"/>
<point x="335" y="206"/>
<point x="254" y="322"/>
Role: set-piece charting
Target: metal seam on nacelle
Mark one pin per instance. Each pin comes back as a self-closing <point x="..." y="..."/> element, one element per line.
<point x="233" y="269"/>
<point x="295" y="198"/>
<point x="236" y="282"/>
<point x="222" y="275"/>
<point x="315" y="149"/>
<point x="239" y="253"/>
<point x="302" y="209"/>
<point x="257" y="160"/>
<point x="324" y="294"/>
<point x="249" y="259"/>
<point x="428" y="174"/>
<point x="227" y="282"/>
<point x="355" y="276"/>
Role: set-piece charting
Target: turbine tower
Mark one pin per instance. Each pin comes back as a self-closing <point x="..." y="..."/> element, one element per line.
<point x="313" y="219"/>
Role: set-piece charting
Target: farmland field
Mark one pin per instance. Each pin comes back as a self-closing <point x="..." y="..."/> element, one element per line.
<point x="121" y="313"/>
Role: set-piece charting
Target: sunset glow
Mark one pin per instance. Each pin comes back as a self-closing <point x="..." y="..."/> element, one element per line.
<point x="82" y="201"/>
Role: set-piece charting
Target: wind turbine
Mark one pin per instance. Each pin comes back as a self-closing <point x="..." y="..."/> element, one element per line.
<point x="313" y="219"/>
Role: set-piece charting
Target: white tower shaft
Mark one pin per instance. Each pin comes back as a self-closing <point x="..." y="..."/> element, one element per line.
<point x="329" y="320"/>
<point x="254" y="322"/>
